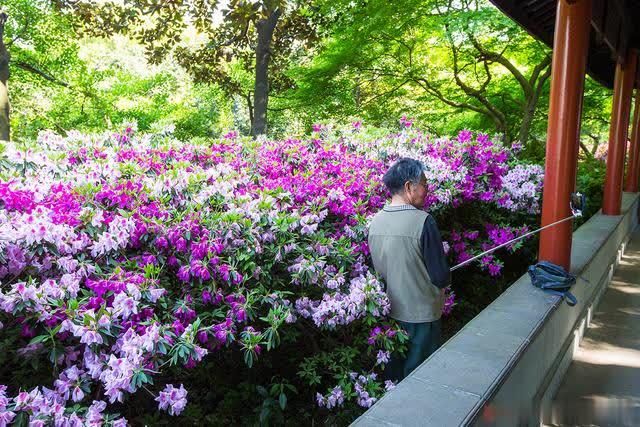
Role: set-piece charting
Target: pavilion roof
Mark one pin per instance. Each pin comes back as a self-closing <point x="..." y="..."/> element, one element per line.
<point x="615" y="27"/>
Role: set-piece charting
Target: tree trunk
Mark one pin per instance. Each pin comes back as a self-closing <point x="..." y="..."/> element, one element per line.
<point x="585" y="150"/>
<point x="250" y="107"/>
<point x="504" y="130"/>
<point x="531" y="103"/>
<point x="4" y="82"/>
<point x="265" y="29"/>
<point x="527" y="119"/>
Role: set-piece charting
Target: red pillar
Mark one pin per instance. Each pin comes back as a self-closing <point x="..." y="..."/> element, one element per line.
<point x="633" y="165"/>
<point x="618" y="131"/>
<point x="570" y="44"/>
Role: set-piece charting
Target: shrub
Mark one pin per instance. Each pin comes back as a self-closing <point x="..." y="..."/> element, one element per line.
<point x="134" y="264"/>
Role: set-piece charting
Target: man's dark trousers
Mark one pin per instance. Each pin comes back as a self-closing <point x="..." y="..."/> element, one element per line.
<point x="424" y="339"/>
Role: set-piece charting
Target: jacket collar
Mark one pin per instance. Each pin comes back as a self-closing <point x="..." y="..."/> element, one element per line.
<point x="398" y="208"/>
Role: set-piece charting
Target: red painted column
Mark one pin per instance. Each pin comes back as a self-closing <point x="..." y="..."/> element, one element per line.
<point x="570" y="45"/>
<point x="633" y="165"/>
<point x="618" y="131"/>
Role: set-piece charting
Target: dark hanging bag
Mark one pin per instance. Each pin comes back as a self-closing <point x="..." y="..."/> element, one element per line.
<point x="553" y="279"/>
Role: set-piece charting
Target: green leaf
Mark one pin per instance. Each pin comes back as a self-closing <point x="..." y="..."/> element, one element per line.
<point x="264" y="415"/>
<point x="39" y="339"/>
<point x="248" y="358"/>
<point x="283" y="401"/>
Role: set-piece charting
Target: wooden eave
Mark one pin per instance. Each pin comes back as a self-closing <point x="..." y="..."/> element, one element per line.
<point x="615" y="27"/>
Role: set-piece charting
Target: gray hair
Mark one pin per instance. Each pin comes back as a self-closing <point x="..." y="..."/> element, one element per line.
<point x="403" y="170"/>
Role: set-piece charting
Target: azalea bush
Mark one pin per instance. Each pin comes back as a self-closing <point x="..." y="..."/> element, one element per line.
<point x="141" y="273"/>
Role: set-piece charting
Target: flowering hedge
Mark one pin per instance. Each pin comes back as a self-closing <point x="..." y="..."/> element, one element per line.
<point x="132" y="263"/>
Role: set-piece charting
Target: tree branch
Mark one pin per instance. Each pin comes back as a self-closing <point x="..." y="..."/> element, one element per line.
<point x="43" y="74"/>
<point x="502" y="60"/>
<point x="586" y="150"/>
<point x="429" y="88"/>
<point x="25" y="27"/>
<point x="496" y="115"/>
<point x="390" y="91"/>
<point x="596" y="142"/>
<point x="538" y="69"/>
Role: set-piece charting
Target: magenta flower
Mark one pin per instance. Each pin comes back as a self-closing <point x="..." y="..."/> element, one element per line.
<point x="131" y="237"/>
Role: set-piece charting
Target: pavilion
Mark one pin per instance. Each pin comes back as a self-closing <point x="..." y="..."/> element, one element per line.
<point x="520" y="361"/>
<point x="602" y="38"/>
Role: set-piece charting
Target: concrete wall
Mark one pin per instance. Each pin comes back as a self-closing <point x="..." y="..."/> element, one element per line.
<point x="504" y="366"/>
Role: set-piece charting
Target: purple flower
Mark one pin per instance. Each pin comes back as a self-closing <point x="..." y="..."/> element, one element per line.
<point x="225" y="272"/>
<point x="161" y="242"/>
<point x="335" y="398"/>
<point x="183" y="273"/>
<point x="177" y="327"/>
<point x="495" y="269"/>
<point x="203" y="337"/>
<point x="77" y="394"/>
<point x="6" y="417"/>
<point x="206" y="297"/>
<point x="172" y="399"/>
<point x="181" y="245"/>
<point x="382" y="357"/>
<point x="464" y="136"/>
<point x="405" y="122"/>
<point x="320" y="400"/>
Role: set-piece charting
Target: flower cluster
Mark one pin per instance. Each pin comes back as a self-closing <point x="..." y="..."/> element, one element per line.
<point x="121" y="254"/>
<point x="172" y="399"/>
<point x="521" y="187"/>
<point x="365" y="296"/>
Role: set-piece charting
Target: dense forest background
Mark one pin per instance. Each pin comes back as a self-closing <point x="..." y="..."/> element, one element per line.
<point x="278" y="67"/>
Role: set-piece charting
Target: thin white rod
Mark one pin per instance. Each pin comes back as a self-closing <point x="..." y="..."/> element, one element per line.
<point x="462" y="264"/>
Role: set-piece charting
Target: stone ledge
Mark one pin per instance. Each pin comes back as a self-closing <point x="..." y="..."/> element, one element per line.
<point x="498" y="367"/>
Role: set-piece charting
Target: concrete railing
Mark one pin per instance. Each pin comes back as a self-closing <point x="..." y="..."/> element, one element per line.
<point x="504" y="367"/>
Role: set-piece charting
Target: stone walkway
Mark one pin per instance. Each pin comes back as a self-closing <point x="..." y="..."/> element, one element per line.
<point x="602" y="385"/>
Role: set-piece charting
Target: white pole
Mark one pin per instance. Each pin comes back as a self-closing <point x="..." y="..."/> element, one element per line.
<point x="462" y="264"/>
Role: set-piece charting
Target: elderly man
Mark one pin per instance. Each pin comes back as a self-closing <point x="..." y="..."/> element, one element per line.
<point x="407" y="252"/>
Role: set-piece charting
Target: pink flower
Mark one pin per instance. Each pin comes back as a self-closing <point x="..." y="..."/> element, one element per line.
<point x="405" y="122"/>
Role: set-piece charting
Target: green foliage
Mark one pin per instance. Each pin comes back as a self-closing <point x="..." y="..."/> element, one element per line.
<point x="590" y="181"/>
<point x="112" y="84"/>
<point x="447" y="66"/>
<point x="241" y="39"/>
<point x="596" y="115"/>
<point x="373" y="60"/>
<point x="42" y="50"/>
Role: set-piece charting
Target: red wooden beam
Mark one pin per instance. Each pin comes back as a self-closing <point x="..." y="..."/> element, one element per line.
<point x="618" y="132"/>
<point x="570" y="45"/>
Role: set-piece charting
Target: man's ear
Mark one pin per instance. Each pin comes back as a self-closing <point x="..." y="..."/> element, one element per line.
<point x="407" y="187"/>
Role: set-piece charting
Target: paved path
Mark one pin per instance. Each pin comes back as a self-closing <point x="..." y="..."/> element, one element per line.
<point x="602" y="385"/>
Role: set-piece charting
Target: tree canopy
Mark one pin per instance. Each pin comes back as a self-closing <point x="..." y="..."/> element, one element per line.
<point x="450" y="65"/>
<point x="256" y="37"/>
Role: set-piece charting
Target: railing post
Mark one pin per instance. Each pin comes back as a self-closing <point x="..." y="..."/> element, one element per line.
<point x="618" y="132"/>
<point x="570" y="44"/>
